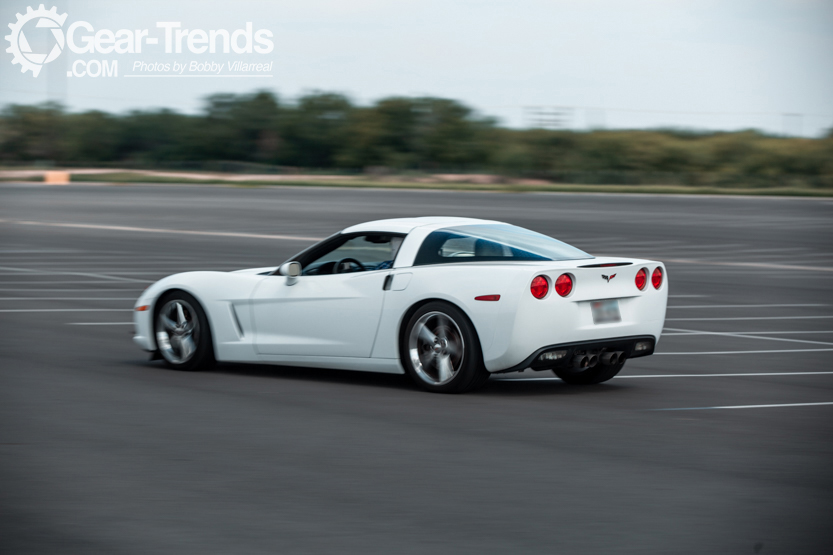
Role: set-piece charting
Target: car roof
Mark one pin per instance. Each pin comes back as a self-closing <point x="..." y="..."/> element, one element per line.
<point x="406" y="225"/>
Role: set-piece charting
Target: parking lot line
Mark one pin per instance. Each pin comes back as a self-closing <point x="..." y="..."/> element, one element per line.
<point x="67" y="310"/>
<point x="751" y="332"/>
<point x="175" y="231"/>
<point x="749" y="406"/>
<point x="750" y="306"/>
<point x="746" y="352"/>
<point x="750" y="265"/>
<point x="87" y="290"/>
<point x="748" y="318"/>
<point x="67" y="298"/>
<point x="743" y="336"/>
<point x="648" y="376"/>
<point x="62" y="282"/>
<point x="28" y="271"/>
<point x="99" y="323"/>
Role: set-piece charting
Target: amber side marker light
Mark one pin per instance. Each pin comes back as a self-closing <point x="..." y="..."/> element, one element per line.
<point x="142" y="308"/>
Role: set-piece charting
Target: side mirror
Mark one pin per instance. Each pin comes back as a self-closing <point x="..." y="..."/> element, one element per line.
<point x="291" y="270"/>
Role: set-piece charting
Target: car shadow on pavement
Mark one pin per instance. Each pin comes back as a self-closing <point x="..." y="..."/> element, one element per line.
<point x="394" y="381"/>
<point x="519" y="387"/>
<point x="496" y="386"/>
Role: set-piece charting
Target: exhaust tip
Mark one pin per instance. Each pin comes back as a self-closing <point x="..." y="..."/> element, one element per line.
<point x="593" y="361"/>
<point x="580" y="361"/>
<point x="611" y="358"/>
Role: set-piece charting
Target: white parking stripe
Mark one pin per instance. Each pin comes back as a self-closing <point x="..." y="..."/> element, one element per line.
<point x="750" y="406"/>
<point x="87" y="290"/>
<point x="745" y="352"/>
<point x="175" y="231"/>
<point x="736" y="375"/>
<point x="99" y="323"/>
<point x="67" y="298"/>
<point x="749" y="305"/>
<point x="28" y="271"/>
<point x="748" y="318"/>
<point x="756" y="332"/>
<point x="749" y="265"/>
<point x="67" y="310"/>
<point x="61" y="282"/>
<point x="763" y="338"/>
<point x="639" y="376"/>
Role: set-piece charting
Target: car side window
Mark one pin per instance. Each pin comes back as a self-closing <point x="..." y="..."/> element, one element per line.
<point x="355" y="253"/>
<point x="448" y="247"/>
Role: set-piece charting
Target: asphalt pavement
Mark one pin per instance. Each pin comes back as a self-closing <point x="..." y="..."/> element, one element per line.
<point x="722" y="442"/>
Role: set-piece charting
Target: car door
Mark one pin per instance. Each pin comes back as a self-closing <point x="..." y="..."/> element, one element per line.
<point x="325" y="314"/>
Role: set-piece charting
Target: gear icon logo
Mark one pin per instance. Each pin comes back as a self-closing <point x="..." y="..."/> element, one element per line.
<point x="20" y="49"/>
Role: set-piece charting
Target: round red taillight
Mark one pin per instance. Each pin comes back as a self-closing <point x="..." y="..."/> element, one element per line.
<point x="656" y="277"/>
<point x="641" y="279"/>
<point x="563" y="285"/>
<point x="540" y="287"/>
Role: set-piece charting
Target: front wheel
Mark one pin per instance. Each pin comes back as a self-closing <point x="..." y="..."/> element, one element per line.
<point x="440" y="350"/>
<point x="598" y="374"/>
<point x="182" y="334"/>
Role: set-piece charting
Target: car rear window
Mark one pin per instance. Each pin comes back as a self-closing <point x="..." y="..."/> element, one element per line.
<point x="492" y="242"/>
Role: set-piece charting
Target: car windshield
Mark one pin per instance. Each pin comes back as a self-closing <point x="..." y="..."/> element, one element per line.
<point x="492" y="242"/>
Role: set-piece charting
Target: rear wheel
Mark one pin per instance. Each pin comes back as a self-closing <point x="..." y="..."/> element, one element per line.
<point x="182" y="334"/>
<point x="440" y="350"/>
<point x="598" y="374"/>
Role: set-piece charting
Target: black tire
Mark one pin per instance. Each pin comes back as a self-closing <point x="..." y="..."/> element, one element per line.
<point x="446" y="359"/>
<point x="179" y="353"/>
<point x="598" y="374"/>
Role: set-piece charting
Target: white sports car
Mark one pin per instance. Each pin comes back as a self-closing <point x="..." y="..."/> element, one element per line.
<point x="448" y="301"/>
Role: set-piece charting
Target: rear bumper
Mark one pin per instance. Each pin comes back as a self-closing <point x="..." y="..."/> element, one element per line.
<point x="626" y="345"/>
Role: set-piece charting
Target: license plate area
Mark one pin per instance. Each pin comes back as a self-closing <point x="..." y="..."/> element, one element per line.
<point x="606" y="311"/>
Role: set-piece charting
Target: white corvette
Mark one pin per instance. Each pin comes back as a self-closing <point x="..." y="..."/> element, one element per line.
<point x="448" y="301"/>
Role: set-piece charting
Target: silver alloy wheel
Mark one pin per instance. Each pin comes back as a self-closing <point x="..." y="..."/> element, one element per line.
<point x="436" y="348"/>
<point x="177" y="331"/>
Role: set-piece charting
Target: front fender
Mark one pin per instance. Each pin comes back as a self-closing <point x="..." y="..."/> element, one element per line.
<point x="224" y="297"/>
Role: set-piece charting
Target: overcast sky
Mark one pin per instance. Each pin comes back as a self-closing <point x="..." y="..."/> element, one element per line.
<point x="708" y="64"/>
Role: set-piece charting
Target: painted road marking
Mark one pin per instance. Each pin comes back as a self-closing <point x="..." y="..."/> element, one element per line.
<point x="727" y="334"/>
<point x="749" y="306"/>
<point x="640" y="376"/>
<point x="751" y="332"/>
<point x="749" y="265"/>
<point x="745" y="352"/>
<point x="163" y="230"/>
<point x="748" y="318"/>
<point x="82" y="274"/>
<point x="88" y="290"/>
<point x="67" y="298"/>
<point x="750" y="406"/>
<point x="67" y="310"/>
<point x="99" y="323"/>
<point x="57" y="282"/>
